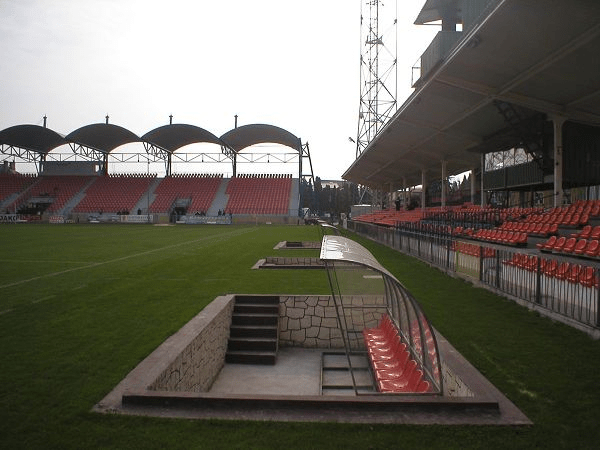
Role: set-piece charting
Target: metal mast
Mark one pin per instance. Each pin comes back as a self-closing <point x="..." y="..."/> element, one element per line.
<point x="378" y="69"/>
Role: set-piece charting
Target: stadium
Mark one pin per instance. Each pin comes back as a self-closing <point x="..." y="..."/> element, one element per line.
<point x="123" y="291"/>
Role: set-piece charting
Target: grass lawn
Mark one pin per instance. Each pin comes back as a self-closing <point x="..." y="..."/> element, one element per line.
<point x="81" y="305"/>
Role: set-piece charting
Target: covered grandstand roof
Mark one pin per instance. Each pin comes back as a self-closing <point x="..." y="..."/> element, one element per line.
<point x="35" y="138"/>
<point x="540" y="57"/>
<point x="104" y="137"/>
<point x="434" y="10"/>
<point x="174" y="136"/>
<point x="247" y="135"/>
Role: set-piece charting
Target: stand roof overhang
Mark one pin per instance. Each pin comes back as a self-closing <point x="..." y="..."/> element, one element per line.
<point x="174" y="136"/>
<point x="245" y="136"/>
<point x="105" y="137"/>
<point x="32" y="137"/>
<point x="540" y="56"/>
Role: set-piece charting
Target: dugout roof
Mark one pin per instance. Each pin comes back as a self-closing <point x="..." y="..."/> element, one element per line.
<point x="539" y="56"/>
<point x="343" y="258"/>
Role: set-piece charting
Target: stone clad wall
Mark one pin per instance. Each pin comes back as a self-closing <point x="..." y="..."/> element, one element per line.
<point x="311" y="321"/>
<point x="198" y="350"/>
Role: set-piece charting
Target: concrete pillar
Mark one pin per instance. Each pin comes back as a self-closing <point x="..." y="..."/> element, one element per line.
<point x="423" y="187"/>
<point x="482" y="201"/>
<point x="405" y="194"/>
<point x="473" y="185"/>
<point x="558" y="122"/>
<point x="444" y="176"/>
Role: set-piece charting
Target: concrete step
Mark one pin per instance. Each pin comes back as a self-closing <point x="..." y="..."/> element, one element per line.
<point x="266" y="331"/>
<point x="256" y="308"/>
<point x="250" y="357"/>
<point x="254" y="319"/>
<point x="252" y="344"/>
<point x="257" y="299"/>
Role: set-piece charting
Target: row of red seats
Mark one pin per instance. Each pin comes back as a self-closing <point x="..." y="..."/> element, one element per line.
<point x="59" y="188"/>
<point x="535" y="228"/>
<point x="571" y="246"/>
<point x="473" y="249"/>
<point x="498" y="236"/>
<point x="201" y="189"/>
<point x="254" y="195"/>
<point x="263" y="176"/>
<point x="391" y="217"/>
<point x="588" y="232"/>
<point x="575" y="273"/>
<point x="394" y="369"/>
<point x="13" y="183"/>
<point x="114" y="193"/>
<point x="517" y="211"/>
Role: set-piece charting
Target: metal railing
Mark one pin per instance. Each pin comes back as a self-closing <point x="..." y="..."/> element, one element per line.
<point x="564" y="286"/>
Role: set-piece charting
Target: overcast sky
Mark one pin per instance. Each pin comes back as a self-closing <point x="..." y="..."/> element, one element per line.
<point x="293" y="64"/>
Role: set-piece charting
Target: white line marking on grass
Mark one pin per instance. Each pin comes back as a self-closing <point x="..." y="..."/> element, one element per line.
<point x="5" y="311"/>
<point x="42" y="261"/>
<point x="211" y="238"/>
<point x="43" y="298"/>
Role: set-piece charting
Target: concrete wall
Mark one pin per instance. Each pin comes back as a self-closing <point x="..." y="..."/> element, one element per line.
<point x="196" y="353"/>
<point x="454" y="386"/>
<point x="294" y="261"/>
<point x="311" y="321"/>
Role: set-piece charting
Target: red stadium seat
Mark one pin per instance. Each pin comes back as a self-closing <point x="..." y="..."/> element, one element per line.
<point x="593" y="247"/>
<point x="569" y="246"/>
<point x="584" y="233"/>
<point x="560" y="243"/>
<point x="548" y="245"/>
<point x="589" y="277"/>
<point x="580" y="246"/>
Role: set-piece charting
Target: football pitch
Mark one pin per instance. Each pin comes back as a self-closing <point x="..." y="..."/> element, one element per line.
<point x="81" y="305"/>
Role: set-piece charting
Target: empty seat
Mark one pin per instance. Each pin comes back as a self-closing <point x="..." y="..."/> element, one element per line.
<point x="548" y="245"/>
<point x="569" y="246"/>
<point x="560" y="243"/>
<point x="588" y="276"/>
<point x="592" y="248"/>
<point x="580" y="246"/>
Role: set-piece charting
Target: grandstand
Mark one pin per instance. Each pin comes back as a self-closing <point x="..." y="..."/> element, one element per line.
<point x="518" y="113"/>
<point x="78" y="190"/>
<point x="79" y="196"/>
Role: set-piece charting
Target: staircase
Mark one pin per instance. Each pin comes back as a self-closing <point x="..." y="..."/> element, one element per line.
<point x="253" y="336"/>
<point x="220" y="200"/>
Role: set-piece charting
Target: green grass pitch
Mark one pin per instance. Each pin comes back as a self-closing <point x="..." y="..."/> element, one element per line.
<point x="81" y="305"/>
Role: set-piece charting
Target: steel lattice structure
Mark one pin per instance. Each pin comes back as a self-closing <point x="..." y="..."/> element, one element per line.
<point x="378" y="70"/>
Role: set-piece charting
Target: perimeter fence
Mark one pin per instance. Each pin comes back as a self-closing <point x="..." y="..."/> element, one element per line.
<point x="565" y="287"/>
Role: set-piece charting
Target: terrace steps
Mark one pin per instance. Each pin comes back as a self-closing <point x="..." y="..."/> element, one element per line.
<point x="253" y="337"/>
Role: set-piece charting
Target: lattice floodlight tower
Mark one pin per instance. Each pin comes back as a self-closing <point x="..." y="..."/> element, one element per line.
<point x="378" y="69"/>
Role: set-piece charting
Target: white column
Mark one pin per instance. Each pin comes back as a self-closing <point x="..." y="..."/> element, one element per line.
<point x="473" y="185"/>
<point x="482" y="201"/>
<point x="423" y="186"/>
<point x="558" y="122"/>
<point x="405" y="194"/>
<point x="444" y="176"/>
